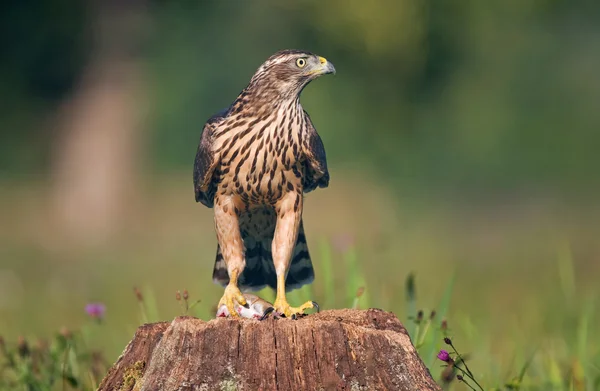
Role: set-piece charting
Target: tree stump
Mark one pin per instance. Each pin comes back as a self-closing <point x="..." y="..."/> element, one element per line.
<point x="333" y="350"/>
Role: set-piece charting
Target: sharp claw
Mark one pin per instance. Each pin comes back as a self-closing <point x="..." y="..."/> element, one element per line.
<point x="266" y="313"/>
<point x="242" y="299"/>
<point x="315" y="305"/>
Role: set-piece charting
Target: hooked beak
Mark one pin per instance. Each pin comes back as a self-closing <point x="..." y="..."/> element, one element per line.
<point x="326" y="66"/>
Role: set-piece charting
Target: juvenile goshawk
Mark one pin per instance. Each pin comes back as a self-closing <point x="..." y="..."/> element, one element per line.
<point x="254" y="162"/>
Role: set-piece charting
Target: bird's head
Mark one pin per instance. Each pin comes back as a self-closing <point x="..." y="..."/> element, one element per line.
<point x="287" y="72"/>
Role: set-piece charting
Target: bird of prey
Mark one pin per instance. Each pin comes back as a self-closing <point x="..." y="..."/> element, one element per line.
<point x="254" y="162"/>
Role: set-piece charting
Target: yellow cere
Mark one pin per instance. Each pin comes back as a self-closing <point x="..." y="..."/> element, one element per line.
<point x="322" y="60"/>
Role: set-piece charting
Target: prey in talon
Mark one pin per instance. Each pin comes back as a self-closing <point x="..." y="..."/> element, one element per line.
<point x="255" y="161"/>
<point x="257" y="308"/>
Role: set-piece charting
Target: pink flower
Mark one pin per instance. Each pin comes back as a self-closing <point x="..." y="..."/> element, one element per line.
<point x="443" y="355"/>
<point x="95" y="310"/>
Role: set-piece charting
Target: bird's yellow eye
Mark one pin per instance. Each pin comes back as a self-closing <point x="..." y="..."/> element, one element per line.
<point x="301" y="62"/>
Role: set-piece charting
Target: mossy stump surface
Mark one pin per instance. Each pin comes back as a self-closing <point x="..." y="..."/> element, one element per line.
<point x="333" y="350"/>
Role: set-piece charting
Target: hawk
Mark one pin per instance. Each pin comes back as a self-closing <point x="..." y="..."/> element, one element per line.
<point x="254" y="162"/>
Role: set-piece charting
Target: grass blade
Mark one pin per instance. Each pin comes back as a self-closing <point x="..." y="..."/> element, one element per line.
<point x="430" y="352"/>
<point x="411" y="305"/>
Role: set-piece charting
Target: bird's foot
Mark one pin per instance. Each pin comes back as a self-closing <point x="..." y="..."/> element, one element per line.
<point x="283" y="307"/>
<point x="231" y="300"/>
<point x="256" y="308"/>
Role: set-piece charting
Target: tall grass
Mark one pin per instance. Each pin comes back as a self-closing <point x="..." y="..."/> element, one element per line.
<point x="568" y="360"/>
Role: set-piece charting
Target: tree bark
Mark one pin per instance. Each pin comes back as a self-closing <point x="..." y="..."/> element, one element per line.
<point x="97" y="149"/>
<point x="333" y="350"/>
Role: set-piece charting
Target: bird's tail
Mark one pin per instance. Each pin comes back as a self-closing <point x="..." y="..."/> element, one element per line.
<point x="260" y="271"/>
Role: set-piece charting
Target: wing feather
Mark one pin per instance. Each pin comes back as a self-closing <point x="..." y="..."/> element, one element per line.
<point x="315" y="173"/>
<point x="206" y="161"/>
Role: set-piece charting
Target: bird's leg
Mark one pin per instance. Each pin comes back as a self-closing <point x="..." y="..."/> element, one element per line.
<point x="289" y="213"/>
<point x="281" y="304"/>
<point x="232" y="248"/>
<point x="232" y="295"/>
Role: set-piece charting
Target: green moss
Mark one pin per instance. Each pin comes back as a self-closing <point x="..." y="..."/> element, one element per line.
<point x="132" y="375"/>
<point x="228" y="385"/>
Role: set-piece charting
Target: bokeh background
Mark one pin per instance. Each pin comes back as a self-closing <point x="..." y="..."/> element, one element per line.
<point x="462" y="139"/>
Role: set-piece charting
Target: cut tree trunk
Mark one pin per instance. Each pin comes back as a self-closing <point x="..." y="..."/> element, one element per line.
<point x="332" y="350"/>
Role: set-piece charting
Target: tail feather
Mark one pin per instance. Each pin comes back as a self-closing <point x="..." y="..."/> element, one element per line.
<point x="301" y="269"/>
<point x="260" y="270"/>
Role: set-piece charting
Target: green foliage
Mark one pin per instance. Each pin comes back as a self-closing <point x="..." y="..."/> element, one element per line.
<point x="428" y="93"/>
<point x="65" y="363"/>
<point x="41" y="62"/>
<point x="493" y="94"/>
<point x="543" y="369"/>
<point x="69" y="361"/>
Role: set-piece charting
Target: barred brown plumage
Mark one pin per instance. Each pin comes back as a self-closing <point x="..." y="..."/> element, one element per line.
<point x="254" y="162"/>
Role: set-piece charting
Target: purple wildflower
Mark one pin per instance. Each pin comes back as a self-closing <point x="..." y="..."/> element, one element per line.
<point x="444" y="355"/>
<point x="95" y="310"/>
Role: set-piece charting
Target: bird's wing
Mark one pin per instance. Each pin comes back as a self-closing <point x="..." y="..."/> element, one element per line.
<point x="315" y="173"/>
<point x="206" y="161"/>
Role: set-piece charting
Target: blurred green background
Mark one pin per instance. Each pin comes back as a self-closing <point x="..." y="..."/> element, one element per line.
<point x="462" y="139"/>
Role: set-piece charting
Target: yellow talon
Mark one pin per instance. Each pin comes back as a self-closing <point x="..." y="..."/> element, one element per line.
<point x="282" y="306"/>
<point x="231" y="296"/>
